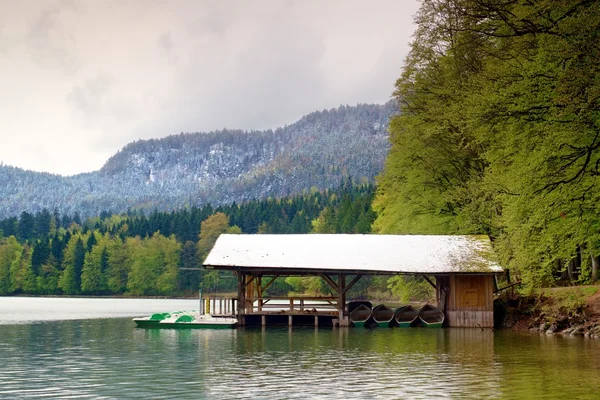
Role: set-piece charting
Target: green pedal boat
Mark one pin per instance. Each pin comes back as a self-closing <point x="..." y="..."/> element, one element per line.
<point x="185" y="320"/>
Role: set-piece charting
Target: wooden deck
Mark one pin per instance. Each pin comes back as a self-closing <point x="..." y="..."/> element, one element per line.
<point x="298" y="310"/>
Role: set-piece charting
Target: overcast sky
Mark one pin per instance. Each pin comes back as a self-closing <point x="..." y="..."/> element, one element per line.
<point x="81" y="79"/>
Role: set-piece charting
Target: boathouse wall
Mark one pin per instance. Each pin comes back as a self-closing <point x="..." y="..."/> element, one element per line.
<point x="463" y="266"/>
<point x="468" y="300"/>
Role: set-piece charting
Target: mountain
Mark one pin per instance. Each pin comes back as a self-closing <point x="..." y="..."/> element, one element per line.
<point x="218" y="167"/>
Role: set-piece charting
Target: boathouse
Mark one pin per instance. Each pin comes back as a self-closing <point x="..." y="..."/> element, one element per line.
<point x="461" y="268"/>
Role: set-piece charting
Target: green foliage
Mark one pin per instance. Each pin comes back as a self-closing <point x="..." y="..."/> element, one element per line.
<point x="117" y="272"/>
<point x="23" y="279"/>
<point x="93" y="275"/>
<point x="560" y="303"/>
<point x="279" y="288"/>
<point x="188" y="279"/>
<point x="411" y="288"/>
<point x="10" y="250"/>
<point x="499" y="131"/>
<point x="234" y="230"/>
<point x="142" y="273"/>
<point x="307" y="284"/>
<point x="210" y="230"/>
<point x="47" y="280"/>
<point x="169" y="257"/>
<point x="142" y="255"/>
<point x="152" y="265"/>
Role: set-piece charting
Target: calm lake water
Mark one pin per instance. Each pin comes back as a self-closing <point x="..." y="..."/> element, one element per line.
<point x="48" y="349"/>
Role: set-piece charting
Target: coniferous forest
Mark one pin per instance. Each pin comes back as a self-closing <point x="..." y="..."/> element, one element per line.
<point x="149" y="255"/>
<point x="499" y="133"/>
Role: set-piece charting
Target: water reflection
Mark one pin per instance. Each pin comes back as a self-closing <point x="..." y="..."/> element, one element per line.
<point x="390" y="363"/>
<point x="111" y="358"/>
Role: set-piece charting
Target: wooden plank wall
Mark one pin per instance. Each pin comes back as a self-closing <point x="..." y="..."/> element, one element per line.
<point x="470" y="319"/>
<point x="470" y="303"/>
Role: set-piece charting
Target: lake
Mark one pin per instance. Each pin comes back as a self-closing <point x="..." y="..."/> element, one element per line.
<point x="90" y="348"/>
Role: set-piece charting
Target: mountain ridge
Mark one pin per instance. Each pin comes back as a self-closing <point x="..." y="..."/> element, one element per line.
<point x="215" y="167"/>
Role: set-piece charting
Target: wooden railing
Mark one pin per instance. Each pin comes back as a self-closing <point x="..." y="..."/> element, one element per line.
<point x="220" y="305"/>
<point x="321" y="304"/>
<point x="511" y="287"/>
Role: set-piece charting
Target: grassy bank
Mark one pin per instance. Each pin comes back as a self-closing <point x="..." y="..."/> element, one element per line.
<point x="571" y="311"/>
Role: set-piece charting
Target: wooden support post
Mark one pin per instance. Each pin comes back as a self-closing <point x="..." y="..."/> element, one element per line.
<point x="352" y="282"/>
<point x="241" y="298"/>
<point x="270" y="283"/>
<point x="342" y="300"/>
<point x="290" y="320"/>
<point x="248" y="281"/>
<point x="250" y="288"/>
<point x="429" y="281"/>
<point x="221" y="306"/>
<point x="263" y="320"/>
<point x="327" y="278"/>
<point x="259" y="292"/>
<point x="316" y="321"/>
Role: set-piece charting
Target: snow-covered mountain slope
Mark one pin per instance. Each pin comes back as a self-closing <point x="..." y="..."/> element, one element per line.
<point x="216" y="167"/>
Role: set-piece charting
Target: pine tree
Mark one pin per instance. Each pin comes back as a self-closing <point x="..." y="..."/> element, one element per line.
<point x="26" y="226"/>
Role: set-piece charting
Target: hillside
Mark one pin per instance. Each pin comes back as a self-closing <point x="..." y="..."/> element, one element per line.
<point x="215" y="167"/>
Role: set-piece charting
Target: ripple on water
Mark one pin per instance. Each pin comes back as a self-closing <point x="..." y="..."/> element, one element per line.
<point x="109" y="358"/>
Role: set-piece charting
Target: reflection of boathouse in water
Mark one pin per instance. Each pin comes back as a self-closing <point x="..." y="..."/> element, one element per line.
<point x="462" y="267"/>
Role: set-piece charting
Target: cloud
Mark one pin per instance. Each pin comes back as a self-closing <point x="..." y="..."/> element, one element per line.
<point x="50" y="42"/>
<point x="89" y="97"/>
<point x="167" y="47"/>
<point x="98" y="75"/>
<point x="165" y="42"/>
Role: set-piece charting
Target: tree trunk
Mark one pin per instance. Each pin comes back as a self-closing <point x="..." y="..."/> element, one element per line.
<point x="570" y="266"/>
<point x="595" y="262"/>
<point x="578" y="262"/>
<point x="558" y="270"/>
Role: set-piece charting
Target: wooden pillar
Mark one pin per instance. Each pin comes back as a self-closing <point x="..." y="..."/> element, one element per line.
<point x="263" y="320"/>
<point x="442" y="291"/>
<point x="259" y="293"/>
<point x="290" y="320"/>
<point x="342" y="317"/>
<point x="250" y="294"/>
<point x="316" y="321"/>
<point x="241" y="298"/>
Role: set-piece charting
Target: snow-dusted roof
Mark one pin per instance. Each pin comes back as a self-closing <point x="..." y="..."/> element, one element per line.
<point x="383" y="254"/>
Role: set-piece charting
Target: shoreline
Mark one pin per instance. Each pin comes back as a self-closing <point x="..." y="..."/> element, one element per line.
<point x="59" y="296"/>
<point x="570" y="311"/>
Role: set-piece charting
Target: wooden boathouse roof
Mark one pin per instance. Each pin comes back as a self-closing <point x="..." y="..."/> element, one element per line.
<point x="354" y="254"/>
